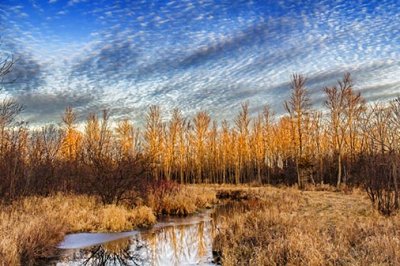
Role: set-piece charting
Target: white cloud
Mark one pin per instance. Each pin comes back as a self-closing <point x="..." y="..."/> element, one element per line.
<point x="74" y="2"/>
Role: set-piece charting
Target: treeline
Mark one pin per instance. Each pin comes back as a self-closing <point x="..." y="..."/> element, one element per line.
<point x="347" y="143"/>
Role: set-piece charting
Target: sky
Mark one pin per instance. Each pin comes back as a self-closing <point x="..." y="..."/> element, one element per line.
<point x="194" y="55"/>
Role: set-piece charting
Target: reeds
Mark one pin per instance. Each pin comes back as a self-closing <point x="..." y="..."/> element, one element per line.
<point x="186" y="200"/>
<point x="31" y="228"/>
<point x="308" y="228"/>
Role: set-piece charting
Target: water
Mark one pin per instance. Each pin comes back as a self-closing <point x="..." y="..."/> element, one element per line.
<point x="172" y="241"/>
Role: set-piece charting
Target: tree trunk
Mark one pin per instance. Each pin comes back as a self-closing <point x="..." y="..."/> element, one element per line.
<point x="259" y="173"/>
<point x="339" y="176"/>
<point x="299" y="181"/>
<point x="395" y="184"/>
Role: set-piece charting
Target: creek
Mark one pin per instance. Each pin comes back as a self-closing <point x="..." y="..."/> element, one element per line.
<point x="172" y="241"/>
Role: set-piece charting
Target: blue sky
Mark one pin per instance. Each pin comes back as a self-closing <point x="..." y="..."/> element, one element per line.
<point x="195" y="55"/>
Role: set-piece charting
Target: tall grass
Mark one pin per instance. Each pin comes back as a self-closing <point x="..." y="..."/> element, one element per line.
<point x="183" y="201"/>
<point x="31" y="228"/>
<point x="289" y="227"/>
<point x="26" y="237"/>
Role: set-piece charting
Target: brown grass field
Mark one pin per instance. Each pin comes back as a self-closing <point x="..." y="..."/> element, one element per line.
<point x="291" y="227"/>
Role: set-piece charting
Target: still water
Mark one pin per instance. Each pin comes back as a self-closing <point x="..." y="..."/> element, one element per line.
<point x="172" y="241"/>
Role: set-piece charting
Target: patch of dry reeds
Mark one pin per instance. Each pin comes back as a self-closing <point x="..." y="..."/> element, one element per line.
<point x="31" y="228"/>
<point x="288" y="227"/>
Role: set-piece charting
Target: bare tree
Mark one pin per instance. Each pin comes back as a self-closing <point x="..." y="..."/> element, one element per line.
<point x="153" y="139"/>
<point x="224" y="147"/>
<point x="258" y="146"/>
<point x="6" y="65"/>
<point x="9" y="110"/>
<point x="298" y="108"/>
<point x="242" y="122"/>
<point x="345" y="107"/>
<point x="268" y="139"/>
<point x="381" y="166"/>
<point x="43" y="154"/>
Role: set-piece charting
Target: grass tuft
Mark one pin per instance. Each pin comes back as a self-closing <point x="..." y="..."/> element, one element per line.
<point x="186" y="200"/>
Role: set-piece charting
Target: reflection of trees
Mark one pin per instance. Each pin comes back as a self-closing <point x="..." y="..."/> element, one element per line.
<point x="120" y="252"/>
<point x="173" y="244"/>
<point x="181" y="243"/>
<point x="202" y="246"/>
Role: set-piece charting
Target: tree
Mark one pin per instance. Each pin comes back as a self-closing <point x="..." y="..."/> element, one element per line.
<point x="345" y="107"/>
<point x="316" y="135"/>
<point x="6" y="65"/>
<point x="181" y="127"/>
<point x="98" y="157"/>
<point x="298" y="108"/>
<point x="201" y="124"/>
<point x="153" y="139"/>
<point x="224" y="148"/>
<point x="9" y="110"/>
<point x="258" y="146"/>
<point x="12" y="142"/>
<point x="173" y="137"/>
<point x="268" y="139"/>
<point x="380" y="165"/>
<point x="242" y="122"/>
<point x="127" y="138"/>
<point x="213" y="158"/>
<point x="72" y="138"/>
<point x="43" y="154"/>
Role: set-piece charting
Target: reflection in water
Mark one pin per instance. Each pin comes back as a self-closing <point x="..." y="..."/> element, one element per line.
<point x="180" y="244"/>
<point x="175" y="241"/>
<point x="119" y="252"/>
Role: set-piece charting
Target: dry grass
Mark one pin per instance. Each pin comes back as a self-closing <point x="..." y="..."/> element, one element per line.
<point x="25" y="237"/>
<point x="143" y="216"/>
<point x="289" y="227"/>
<point x="87" y="214"/>
<point x="31" y="228"/>
<point x="186" y="200"/>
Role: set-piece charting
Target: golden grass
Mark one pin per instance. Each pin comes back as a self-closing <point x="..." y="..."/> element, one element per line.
<point x="143" y="216"/>
<point x="25" y="237"/>
<point x="186" y="200"/>
<point x="32" y="227"/>
<point x="290" y="227"/>
<point x="86" y="213"/>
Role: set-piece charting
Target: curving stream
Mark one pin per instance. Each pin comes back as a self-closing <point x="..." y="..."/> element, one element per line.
<point x="172" y="241"/>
